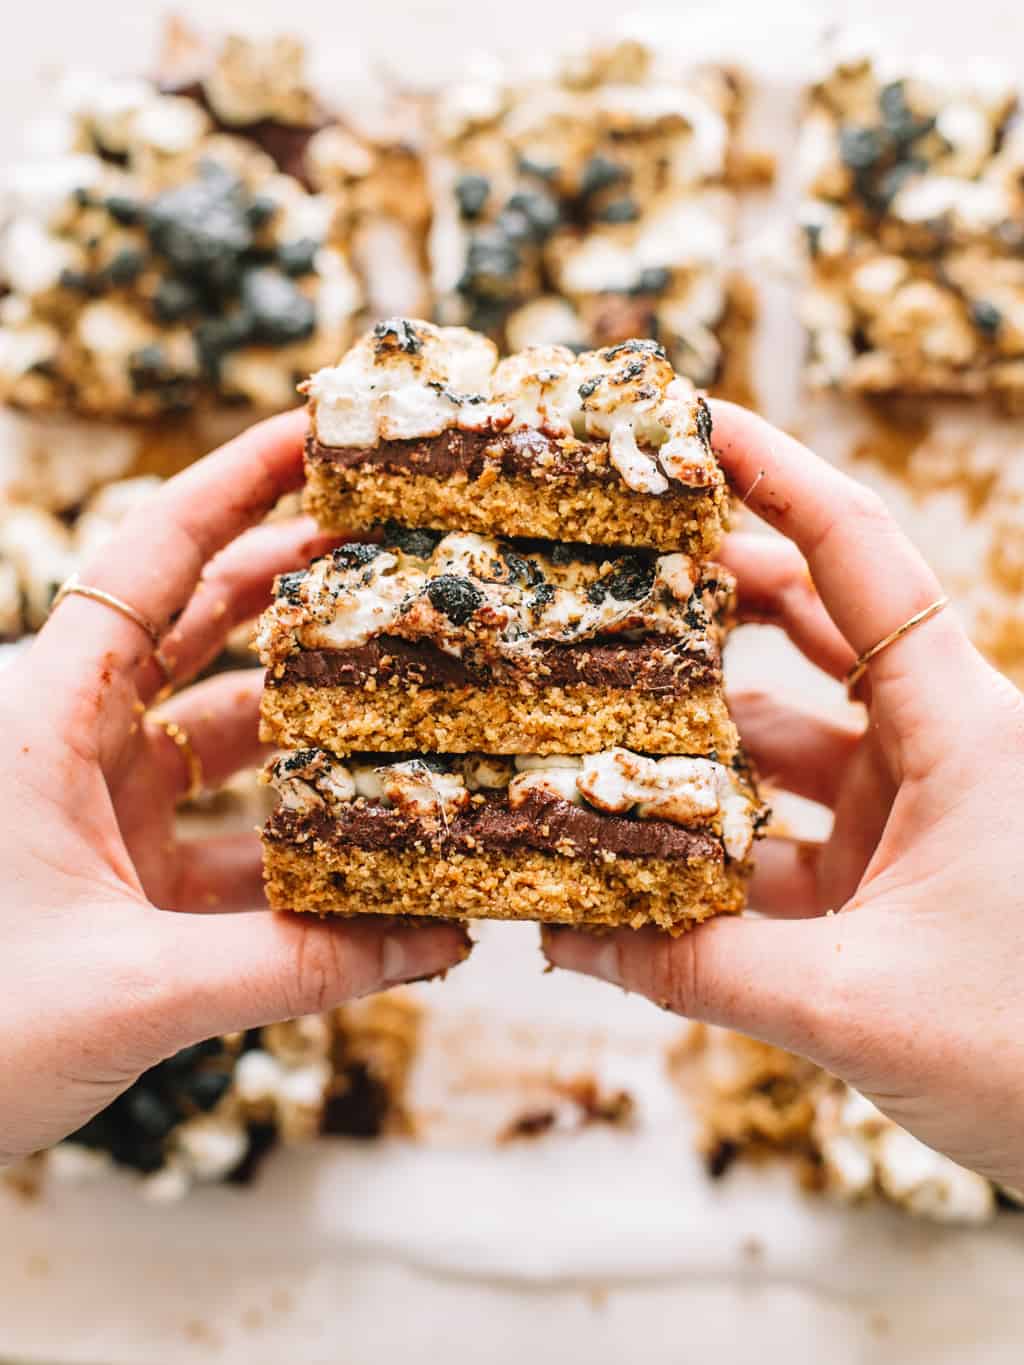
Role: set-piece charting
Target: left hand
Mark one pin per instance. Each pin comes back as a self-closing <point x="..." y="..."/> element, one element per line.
<point x="115" y="948"/>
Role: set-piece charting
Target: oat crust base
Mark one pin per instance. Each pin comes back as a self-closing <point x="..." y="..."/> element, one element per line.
<point x="501" y="719"/>
<point x="357" y="499"/>
<point x="316" y="878"/>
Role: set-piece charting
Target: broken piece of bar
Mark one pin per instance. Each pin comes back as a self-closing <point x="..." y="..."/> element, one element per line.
<point x="461" y="642"/>
<point x="421" y="424"/>
<point x="755" y="1102"/>
<point x="616" y="838"/>
<point x="214" y="1111"/>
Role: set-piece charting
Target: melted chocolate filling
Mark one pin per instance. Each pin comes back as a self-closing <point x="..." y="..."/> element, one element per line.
<point x="518" y="454"/>
<point x="544" y="822"/>
<point x="284" y="143"/>
<point x="657" y="664"/>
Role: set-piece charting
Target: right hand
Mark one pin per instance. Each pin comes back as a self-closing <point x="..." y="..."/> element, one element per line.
<point x="891" y="954"/>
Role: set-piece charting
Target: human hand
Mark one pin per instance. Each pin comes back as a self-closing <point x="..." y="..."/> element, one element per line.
<point x="911" y="991"/>
<point x="112" y="953"/>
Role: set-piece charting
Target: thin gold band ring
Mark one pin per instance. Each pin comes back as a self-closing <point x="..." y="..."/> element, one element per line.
<point x="75" y="587"/>
<point x="858" y="670"/>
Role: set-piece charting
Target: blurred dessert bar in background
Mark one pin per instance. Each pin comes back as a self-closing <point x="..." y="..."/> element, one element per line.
<point x="590" y="205"/>
<point x="207" y="236"/>
<point x="754" y="1103"/>
<point x="214" y="1111"/>
<point x="913" y="219"/>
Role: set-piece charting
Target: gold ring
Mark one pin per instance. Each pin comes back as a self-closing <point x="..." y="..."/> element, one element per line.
<point x="182" y="741"/>
<point x="858" y="670"/>
<point x="73" y="586"/>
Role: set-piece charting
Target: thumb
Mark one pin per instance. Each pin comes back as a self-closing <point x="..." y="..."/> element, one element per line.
<point x="229" y="972"/>
<point x="777" y="980"/>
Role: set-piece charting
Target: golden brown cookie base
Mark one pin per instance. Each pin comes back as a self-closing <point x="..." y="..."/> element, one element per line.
<point x="578" y="719"/>
<point x="358" y="498"/>
<point x="317" y="878"/>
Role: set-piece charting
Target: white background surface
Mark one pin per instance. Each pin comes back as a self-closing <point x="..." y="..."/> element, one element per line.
<point x="596" y="1249"/>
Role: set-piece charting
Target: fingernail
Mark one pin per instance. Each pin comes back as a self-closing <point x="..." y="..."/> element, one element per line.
<point x="605" y="964"/>
<point x="394" y="963"/>
<point x="423" y="954"/>
<point x="462" y="952"/>
<point x="576" y="952"/>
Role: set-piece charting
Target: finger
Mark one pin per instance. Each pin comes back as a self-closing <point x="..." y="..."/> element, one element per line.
<point x="154" y="560"/>
<point x="222" y="973"/>
<point x="793" y="749"/>
<point x="775" y="587"/>
<point x="870" y="577"/>
<point x="772" y="979"/>
<point x="218" y="875"/>
<point x="861" y="815"/>
<point x="235" y="587"/>
<point x="220" y="718"/>
<point x="786" y="882"/>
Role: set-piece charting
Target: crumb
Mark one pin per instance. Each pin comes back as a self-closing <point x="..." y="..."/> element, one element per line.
<point x="879" y="1324"/>
<point x="534" y="1123"/>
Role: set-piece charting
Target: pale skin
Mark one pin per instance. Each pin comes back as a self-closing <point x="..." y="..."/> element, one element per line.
<point x="118" y="945"/>
<point x="889" y="954"/>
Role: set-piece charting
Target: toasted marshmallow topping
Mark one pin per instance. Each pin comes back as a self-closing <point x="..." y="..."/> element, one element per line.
<point x="416" y="789"/>
<point x="479" y="598"/>
<point x="696" y="792"/>
<point x="310" y="779"/>
<point x="409" y="380"/>
<point x="682" y="790"/>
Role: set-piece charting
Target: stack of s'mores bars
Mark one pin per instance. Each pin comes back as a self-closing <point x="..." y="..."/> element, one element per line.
<point x="506" y="701"/>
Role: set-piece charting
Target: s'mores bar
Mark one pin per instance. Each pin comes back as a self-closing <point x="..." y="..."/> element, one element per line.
<point x="614" y="838"/>
<point x="198" y="240"/>
<point x="423" y="425"/>
<point x="594" y="204"/>
<point x="461" y="642"/>
<point x="913" y="218"/>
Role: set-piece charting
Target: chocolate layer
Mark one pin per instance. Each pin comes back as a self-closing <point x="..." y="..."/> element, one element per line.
<point x="544" y="821"/>
<point x="524" y="454"/>
<point x="284" y="143"/>
<point x="656" y="664"/>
